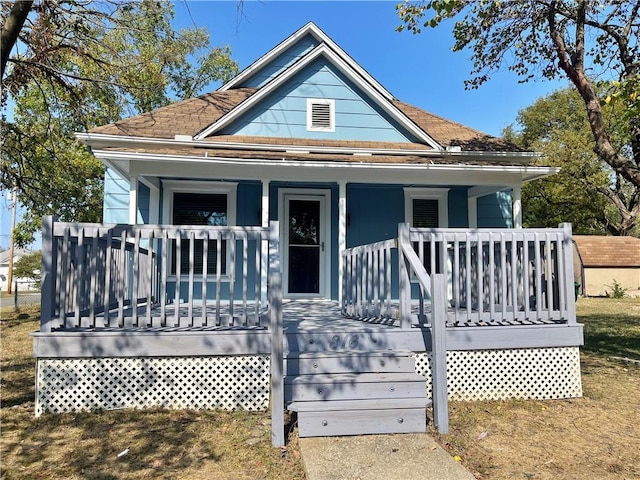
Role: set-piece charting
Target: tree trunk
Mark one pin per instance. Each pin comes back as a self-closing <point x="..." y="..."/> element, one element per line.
<point x="11" y="29"/>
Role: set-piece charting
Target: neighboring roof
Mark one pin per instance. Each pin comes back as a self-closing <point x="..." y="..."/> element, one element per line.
<point x="608" y="251"/>
<point x="18" y="253"/>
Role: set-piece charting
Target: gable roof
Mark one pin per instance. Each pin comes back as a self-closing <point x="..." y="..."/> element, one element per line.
<point x="313" y="30"/>
<point x="608" y="251"/>
<point x="326" y="52"/>
<point x="203" y="121"/>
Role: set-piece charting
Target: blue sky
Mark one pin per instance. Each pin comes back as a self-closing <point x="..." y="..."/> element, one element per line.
<point x="418" y="69"/>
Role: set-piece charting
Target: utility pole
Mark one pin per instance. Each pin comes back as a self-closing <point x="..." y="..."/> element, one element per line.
<point x="14" y="194"/>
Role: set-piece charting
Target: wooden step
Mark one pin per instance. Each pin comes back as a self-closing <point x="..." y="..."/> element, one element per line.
<point x="361" y="422"/>
<point x="349" y="361"/>
<point x="361" y="386"/>
<point x="370" y="404"/>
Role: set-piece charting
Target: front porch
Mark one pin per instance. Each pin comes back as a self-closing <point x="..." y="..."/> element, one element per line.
<point x="122" y="326"/>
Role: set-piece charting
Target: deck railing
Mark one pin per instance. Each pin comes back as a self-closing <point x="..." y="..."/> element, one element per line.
<point x="367" y="281"/>
<point x="123" y="276"/>
<point x="499" y="276"/>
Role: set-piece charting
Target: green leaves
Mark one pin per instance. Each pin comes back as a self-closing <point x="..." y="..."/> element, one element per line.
<point x="81" y="64"/>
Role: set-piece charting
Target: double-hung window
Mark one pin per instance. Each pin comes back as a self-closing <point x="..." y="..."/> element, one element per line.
<point x="204" y="204"/>
<point x="427" y="208"/>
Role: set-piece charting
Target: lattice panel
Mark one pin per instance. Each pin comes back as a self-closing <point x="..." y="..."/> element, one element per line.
<point x="232" y="382"/>
<point x="532" y="373"/>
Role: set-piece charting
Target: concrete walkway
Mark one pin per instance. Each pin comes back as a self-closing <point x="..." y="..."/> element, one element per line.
<point x="379" y="457"/>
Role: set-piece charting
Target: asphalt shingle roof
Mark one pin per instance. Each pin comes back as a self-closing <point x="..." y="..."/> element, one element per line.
<point x="608" y="251"/>
<point x="190" y="117"/>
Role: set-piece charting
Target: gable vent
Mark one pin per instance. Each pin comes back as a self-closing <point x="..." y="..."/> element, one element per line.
<point x="320" y="115"/>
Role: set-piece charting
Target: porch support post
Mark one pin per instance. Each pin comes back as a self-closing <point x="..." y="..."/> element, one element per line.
<point x="472" y="209"/>
<point x="439" y="352"/>
<point x="133" y="200"/>
<point x="342" y="233"/>
<point x="517" y="206"/>
<point x="265" y="244"/>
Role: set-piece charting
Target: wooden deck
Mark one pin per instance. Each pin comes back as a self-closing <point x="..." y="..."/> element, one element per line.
<point x="299" y="315"/>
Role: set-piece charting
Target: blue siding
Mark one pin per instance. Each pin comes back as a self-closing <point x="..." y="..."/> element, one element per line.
<point x="284" y="112"/>
<point x="281" y="62"/>
<point x="373" y="213"/>
<point x="494" y="211"/>
<point x="458" y="208"/>
<point x="249" y="202"/>
<point x="144" y="198"/>
<point x="116" y="198"/>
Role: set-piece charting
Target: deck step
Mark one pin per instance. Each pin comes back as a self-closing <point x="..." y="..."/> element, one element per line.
<point x="352" y="386"/>
<point x="361" y="422"/>
<point x="348" y="362"/>
<point x="371" y="404"/>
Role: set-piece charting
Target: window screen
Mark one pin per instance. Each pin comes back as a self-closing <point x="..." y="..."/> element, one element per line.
<point x="425" y="213"/>
<point x="199" y="209"/>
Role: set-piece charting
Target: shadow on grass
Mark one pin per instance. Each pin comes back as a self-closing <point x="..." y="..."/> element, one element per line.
<point x="612" y="334"/>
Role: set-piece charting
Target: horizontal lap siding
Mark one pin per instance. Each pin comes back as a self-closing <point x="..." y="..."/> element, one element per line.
<point x="494" y="211"/>
<point x="284" y="114"/>
<point x="281" y="62"/>
<point x="116" y="198"/>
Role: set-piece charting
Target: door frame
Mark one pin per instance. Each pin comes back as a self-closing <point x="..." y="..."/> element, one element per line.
<point x="324" y="195"/>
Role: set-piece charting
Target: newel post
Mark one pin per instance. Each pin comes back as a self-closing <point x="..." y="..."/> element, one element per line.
<point x="567" y="266"/>
<point x="404" y="283"/>
<point x="48" y="285"/>
<point x="439" y="352"/>
<point x="276" y="328"/>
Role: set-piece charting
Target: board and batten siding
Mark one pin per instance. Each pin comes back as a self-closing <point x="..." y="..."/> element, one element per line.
<point x="494" y="211"/>
<point x="281" y="62"/>
<point x="284" y="114"/>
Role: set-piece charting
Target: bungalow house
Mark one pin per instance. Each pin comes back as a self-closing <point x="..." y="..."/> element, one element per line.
<point x="294" y="237"/>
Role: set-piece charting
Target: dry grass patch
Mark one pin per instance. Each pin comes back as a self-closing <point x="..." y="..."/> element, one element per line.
<point x="597" y="436"/>
<point x="156" y="444"/>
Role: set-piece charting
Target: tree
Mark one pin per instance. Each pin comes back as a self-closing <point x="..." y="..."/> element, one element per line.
<point x="581" y="39"/>
<point x="75" y="64"/>
<point x="583" y="190"/>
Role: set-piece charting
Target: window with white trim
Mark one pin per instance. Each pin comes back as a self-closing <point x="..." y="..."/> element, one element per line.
<point x="321" y="115"/>
<point x="427" y="208"/>
<point x="199" y="203"/>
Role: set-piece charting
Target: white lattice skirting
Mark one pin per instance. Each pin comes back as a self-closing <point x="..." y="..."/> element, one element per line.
<point x="532" y="373"/>
<point x="230" y="382"/>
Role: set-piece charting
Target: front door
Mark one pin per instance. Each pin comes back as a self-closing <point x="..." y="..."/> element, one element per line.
<point x="305" y="245"/>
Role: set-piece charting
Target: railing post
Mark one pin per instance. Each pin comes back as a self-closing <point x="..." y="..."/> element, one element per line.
<point x="49" y="262"/>
<point x="567" y="261"/>
<point x="277" y="338"/>
<point x="439" y="352"/>
<point x="404" y="283"/>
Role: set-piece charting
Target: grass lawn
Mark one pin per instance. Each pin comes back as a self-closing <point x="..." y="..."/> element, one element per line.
<point x="161" y="444"/>
<point x="594" y="437"/>
<point x="597" y="436"/>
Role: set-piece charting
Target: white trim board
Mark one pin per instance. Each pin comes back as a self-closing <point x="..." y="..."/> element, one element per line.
<point x="325" y="269"/>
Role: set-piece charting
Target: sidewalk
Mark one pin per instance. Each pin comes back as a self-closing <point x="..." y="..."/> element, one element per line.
<point x="379" y="457"/>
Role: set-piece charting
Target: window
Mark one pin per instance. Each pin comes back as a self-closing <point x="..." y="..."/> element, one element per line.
<point x="199" y="203"/>
<point x="199" y="209"/>
<point x="320" y="115"/>
<point x="427" y="208"/>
